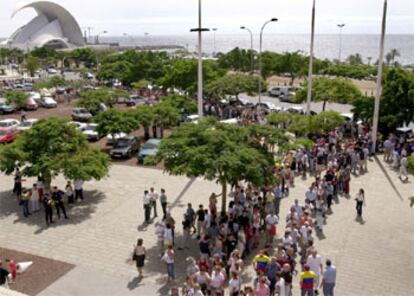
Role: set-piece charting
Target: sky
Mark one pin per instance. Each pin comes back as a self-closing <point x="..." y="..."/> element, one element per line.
<point x="176" y="17"/>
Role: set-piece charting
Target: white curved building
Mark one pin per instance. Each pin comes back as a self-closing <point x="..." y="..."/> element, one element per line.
<point x="53" y="26"/>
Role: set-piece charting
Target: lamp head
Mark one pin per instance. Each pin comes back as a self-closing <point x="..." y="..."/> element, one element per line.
<point x="274" y="19"/>
<point x="243" y="27"/>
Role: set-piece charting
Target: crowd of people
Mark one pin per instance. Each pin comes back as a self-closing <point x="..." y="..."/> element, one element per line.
<point x="249" y="231"/>
<point x="397" y="149"/>
<point x="33" y="199"/>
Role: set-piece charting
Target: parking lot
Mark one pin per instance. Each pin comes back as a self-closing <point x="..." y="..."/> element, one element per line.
<point x="64" y="110"/>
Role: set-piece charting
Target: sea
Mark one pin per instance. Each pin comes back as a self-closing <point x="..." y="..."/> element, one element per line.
<point x="326" y="46"/>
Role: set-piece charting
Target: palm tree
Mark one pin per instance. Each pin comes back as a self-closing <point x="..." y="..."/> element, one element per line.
<point x="355" y="59"/>
<point x="391" y="56"/>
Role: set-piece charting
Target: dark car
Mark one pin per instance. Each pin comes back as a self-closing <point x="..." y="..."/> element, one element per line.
<point x="81" y="114"/>
<point x="135" y="101"/>
<point x="125" y="147"/>
<point x="6" y="108"/>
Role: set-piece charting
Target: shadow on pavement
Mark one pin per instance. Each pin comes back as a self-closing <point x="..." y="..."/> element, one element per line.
<point x="77" y="213"/>
<point x="178" y="198"/>
<point x="388" y="177"/>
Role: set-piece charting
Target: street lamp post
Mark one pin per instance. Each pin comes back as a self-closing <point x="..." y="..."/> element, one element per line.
<point x="131" y="40"/>
<point x="260" y="56"/>
<point x="340" y="26"/>
<point x="379" y="79"/>
<point x="251" y="46"/>
<point x="200" y="30"/>
<point x="309" y="96"/>
<point x="214" y="41"/>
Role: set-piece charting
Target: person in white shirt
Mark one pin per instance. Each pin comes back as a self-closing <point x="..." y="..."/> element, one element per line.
<point x="280" y="287"/>
<point x="153" y="198"/>
<point x="159" y="232"/>
<point x="147" y="206"/>
<point x="271" y="221"/>
<point x="168" y="258"/>
<point x="78" y="189"/>
<point x="217" y="280"/>
<point x="234" y="284"/>
<point x="315" y="262"/>
<point x="34" y="200"/>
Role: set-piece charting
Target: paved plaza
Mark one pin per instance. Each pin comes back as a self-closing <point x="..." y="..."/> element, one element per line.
<point x="373" y="258"/>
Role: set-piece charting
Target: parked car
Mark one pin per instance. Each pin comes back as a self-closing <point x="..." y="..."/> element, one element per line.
<point x="268" y="106"/>
<point x="80" y="126"/>
<point x="112" y="139"/>
<point x="9" y="123"/>
<point x="91" y="133"/>
<point x="135" y="101"/>
<point x="81" y="114"/>
<point x="125" y="147"/>
<point x="7" y="135"/>
<point x="149" y="148"/>
<point x="47" y="102"/>
<point x="27" y="124"/>
<point x="52" y="71"/>
<point x="31" y="104"/>
<point x="35" y="96"/>
<point x="6" y="108"/>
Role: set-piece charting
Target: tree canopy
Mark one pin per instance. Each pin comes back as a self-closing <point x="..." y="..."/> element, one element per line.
<point x="17" y="98"/>
<point x="233" y="84"/>
<point x="397" y="101"/>
<point x="216" y="151"/>
<point x="338" y="90"/>
<point x="54" y="147"/>
<point x="115" y="121"/>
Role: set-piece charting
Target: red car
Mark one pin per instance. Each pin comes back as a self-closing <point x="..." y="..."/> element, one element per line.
<point x="8" y="135"/>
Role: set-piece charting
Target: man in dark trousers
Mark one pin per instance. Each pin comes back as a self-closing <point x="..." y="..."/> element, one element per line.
<point x="57" y="196"/>
<point x="48" y="205"/>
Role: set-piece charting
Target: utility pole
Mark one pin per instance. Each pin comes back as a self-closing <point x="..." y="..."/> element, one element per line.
<point x="379" y="79"/>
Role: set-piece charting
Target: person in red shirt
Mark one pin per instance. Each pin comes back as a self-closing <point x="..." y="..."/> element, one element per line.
<point x="12" y="267"/>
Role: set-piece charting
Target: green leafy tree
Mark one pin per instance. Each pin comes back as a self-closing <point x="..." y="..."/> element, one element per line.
<point x="86" y="56"/>
<point x="53" y="82"/>
<point x="185" y="105"/>
<point x="391" y="56"/>
<point x="145" y="116"/>
<point x="111" y="71"/>
<point x="44" y="52"/>
<point x="237" y="60"/>
<point x="216" y="151"/>
<point x="358" y="71"/>
<point x="411" y="164"/>
<point x="31" y="64"/>
<point x="280" y="119"/>
<point x="355" y="59"/>
<point x="140" y="85"/>
<point x="53" y="147"/>
<point x="336" y="90"/>
<point x="233" y="84"/>
<point x="17" y="98"/>
<point x="115" y="121"/>
<point x="302" y="125"/>
<point x="363" y="109"/>
<point x="328" y="120"/>
<point x="165" y="115"/>
<point x="182" y="74"/>
<point x="94" y="98"/>
<point x="295" y="64"/>
<point x="397" y="101"/>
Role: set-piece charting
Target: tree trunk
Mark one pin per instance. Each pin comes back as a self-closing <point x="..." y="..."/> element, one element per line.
<point x="323" y="106"/>
<point x="292" y="79"/>
<point x="146" y="133"/>
<point x="223" y="196"/>
<point x="154" y="131"/>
